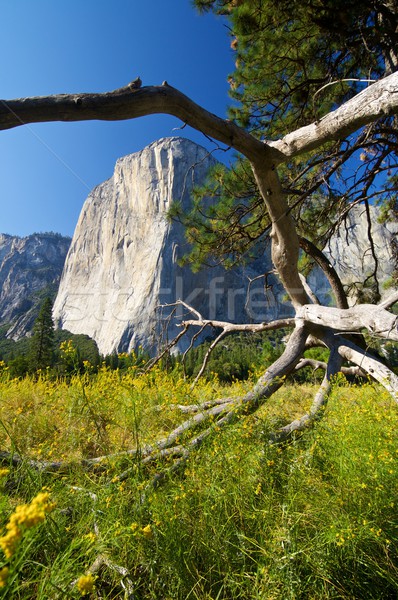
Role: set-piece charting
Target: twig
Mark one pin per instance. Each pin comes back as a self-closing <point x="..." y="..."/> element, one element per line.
<point x="103" y="560"/>
<point x="170" y="345"/>
<point x="340" y="81"/>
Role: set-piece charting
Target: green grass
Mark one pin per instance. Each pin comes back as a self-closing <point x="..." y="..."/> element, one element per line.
<point x="314" y="519"/>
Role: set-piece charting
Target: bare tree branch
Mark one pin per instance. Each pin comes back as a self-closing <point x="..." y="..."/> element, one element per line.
<point x="374" y="318"/>
<point x="318" y="405"/>
<point x="389" y="301"/>
<point x="378" y="100"/>
<point x="328" y="269"/>
<point x="126" y="103"/>
<point x="376" y="369"/>
<point x="210" y="349"/>
<point x="319" y="364"/>
<point x="151" y="363"/>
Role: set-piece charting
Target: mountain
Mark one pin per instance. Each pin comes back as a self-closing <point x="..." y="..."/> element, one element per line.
<point x="123" y="260"/>
<point x="30" y="270"/>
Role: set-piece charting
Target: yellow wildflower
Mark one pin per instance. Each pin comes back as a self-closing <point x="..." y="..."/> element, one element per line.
<point x="25" y="516"/>
<point x="4" y="576"/>
<point x="8" y="542"/>
<point x="147" y="531"/>
<point x="4" y="472"/>
<point x="85" y="584"/>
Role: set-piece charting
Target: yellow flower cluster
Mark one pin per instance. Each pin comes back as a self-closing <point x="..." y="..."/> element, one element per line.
<point x="4" y="576"/>
<point x="145" y="531"/>
<point x="67" y="348"/>
<point x="24" y="517"/>
<point x="85" y="584"/>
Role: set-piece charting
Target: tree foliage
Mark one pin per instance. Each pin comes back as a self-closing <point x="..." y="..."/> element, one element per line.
<point x="295" y="62"/>
<point x="42" y="344"/>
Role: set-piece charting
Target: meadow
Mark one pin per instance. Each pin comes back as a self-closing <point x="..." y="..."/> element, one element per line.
<point x="315" y="518"/>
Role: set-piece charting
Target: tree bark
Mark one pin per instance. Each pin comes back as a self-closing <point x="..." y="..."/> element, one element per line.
<point x="375" y="319"/>
<point x="376" y="369"/>
<point x="321" y="397"/>
<point x="378" y="100"/>
<point x="285" y="246"/>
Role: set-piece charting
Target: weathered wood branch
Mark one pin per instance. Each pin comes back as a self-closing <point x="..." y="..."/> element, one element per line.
<point x="195" y="408"/>
<point x="374" y="318"/>
<point x="376" y="369"/>
<point x="320" y="364"/>
<point x="332" y="368"/>
<point x="227" y="328"/>
<point x="206" y="357"/>
<point x="126" y="103"/>
<point x="243" y="327"/>
<point x="200" y="321"/>
<point x="104" y="561"/>
<point x="311" y="295"/>
<point x="153" y="361"/>
<point x="285" y="242"/>
<point x="389" y="301"/>
<point x="274" y="376"/>
<point x="328" y="269"/>
<point x="378" y="100"/>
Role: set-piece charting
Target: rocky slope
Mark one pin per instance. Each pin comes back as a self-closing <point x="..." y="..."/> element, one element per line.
<point x="30" y="269"/>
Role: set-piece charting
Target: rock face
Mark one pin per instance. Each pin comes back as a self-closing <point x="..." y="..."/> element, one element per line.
<point x="123" y="260"/>
<point x="350" y="252"/>
<point x="30" y="269"/>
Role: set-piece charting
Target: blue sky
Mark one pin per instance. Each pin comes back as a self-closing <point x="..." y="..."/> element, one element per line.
<point x="59" y="46"/>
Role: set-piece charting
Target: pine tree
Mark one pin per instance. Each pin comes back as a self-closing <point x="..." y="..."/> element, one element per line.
<point x="42" y="343"/>
<point x="295" y="61"/>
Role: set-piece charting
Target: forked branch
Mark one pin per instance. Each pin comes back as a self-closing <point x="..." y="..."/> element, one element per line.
<point x="226" y="329"/>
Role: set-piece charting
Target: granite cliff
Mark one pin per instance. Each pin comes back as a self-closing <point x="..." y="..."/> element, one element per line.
<point x="123" y="260"/>
<point x="350" y="252"/>
<point x="30" y="269"/>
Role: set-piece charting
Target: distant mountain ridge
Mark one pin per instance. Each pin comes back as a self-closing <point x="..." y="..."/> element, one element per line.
<point x="30" y="270"/>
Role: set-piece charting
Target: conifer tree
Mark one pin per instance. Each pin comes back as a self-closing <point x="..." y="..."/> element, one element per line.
<point x="295" y="61"/>
<point x="42" y="342"/>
